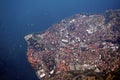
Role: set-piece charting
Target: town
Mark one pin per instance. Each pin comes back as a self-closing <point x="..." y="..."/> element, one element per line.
<point x="76" y="44"/>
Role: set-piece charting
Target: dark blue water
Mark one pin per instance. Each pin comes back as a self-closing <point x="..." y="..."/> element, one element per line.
<point x="21" y="17"/>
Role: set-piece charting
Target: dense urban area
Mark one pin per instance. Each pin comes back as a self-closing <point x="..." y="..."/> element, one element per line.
<point x="82" y="47"/>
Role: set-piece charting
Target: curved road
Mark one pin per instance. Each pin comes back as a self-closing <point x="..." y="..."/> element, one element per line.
<point x="76" y="77"/>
